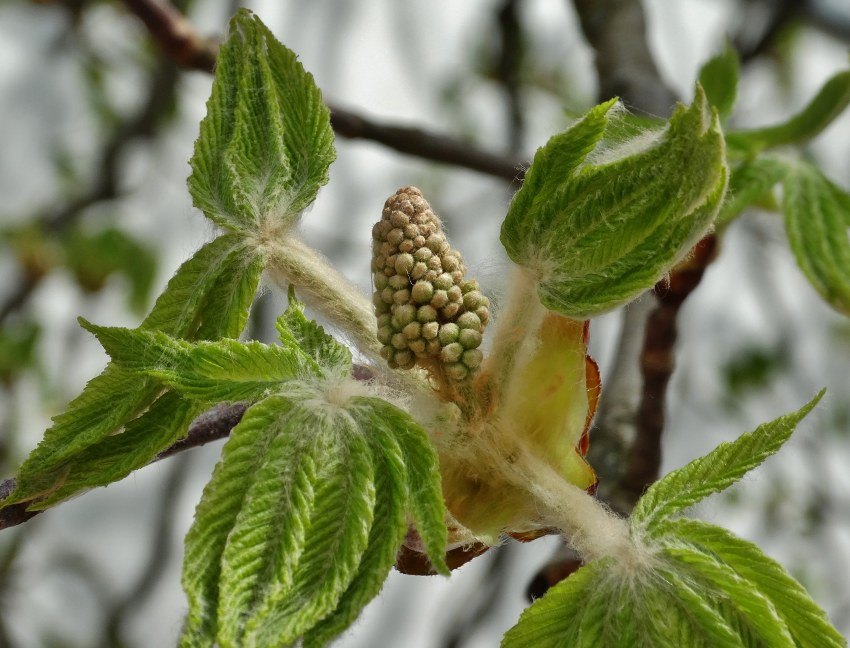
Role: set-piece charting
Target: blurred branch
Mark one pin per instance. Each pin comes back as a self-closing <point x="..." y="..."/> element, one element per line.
<point x="106" y="182"/>
<point x="616" y="30"/>
<point x="776" y="15"/>
<point x="160" y="550"/>
<point x="614" y="427"/>
<point x="507" y="68"/>
<point x="180" y="43"/>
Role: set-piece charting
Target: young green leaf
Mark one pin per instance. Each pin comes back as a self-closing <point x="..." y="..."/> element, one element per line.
<point x="686" y="616"/>
<point x="829" y="102"/>
<point x="817" y="215"/>
<point x="751" y="181"/>
<point x="716" y="471"/>
<point x="293" y="326"/>
<point x="266" y="143"/>
<point x="210" y="372"/>
<point x="719" y="78"/>
<point x="114" y="457"/>
<point x="427" y="507"/>
<point x="389" y="527"/>
<point x="243" y="456"/>
<point x="304" y="515"/>
<point x="746" y="607"/>
<point x="554" y="619"/>
<point x="337" y="539"/>
<point x="209" y="296"/>
<point x="599" y="228"/>
<point x="807" y="622"/>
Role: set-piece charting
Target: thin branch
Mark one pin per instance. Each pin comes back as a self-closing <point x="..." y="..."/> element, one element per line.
<point x="616" y="30"/>
<point x="657" y="364"/>
<point x="427" y="145"/>
<point x="179" y="42"/>
<point x="105" y="186"/>
<point x="507" y="68"/>
<point x="159" y="552"/>
<point x="212" y="425"/>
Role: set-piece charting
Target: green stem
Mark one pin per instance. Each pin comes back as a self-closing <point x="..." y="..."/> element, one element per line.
<point x="291" y="261"/>
<point x="514" y="328"/>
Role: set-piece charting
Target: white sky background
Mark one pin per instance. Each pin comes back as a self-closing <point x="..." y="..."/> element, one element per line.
<point x="390" y="60"/>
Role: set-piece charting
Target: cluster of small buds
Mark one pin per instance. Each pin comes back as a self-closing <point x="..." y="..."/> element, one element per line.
<point x="425" y="307"/>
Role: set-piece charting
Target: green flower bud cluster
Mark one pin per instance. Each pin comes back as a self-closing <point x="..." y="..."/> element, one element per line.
<point x="426" y="308"/>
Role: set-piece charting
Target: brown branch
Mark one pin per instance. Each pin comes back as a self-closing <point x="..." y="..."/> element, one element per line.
<point x="616" y="30"/>
<point x="179" y="42"/>
<point x="212" y="425"/>
<point x="657" y="364"/>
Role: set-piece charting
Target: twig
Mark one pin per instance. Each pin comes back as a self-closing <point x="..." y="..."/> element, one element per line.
<point x="105" y="186"/>
<point x="158" y="555"/>
<point x="507" y="68"/>
<point x="616" y="30"/>
<point x="657" y="364"/>
<point x="212" y="425"/>
<point x="614" y="427"/>
<point x="179" y="42"/>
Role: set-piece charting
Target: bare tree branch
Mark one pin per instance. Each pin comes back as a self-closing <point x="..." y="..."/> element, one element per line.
<point x="181" y="44"/>
<point x="616" y="30"/>
<point x="212" y="425"/>
<point x="657" y="364"/>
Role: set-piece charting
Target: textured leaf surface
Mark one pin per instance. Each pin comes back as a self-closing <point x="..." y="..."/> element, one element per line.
<point x="830" y="102"/>
<point x="800" y="614"/>
<point x="114" y="457"/>
<point x="266" y="143"/>
<point x="600" y="225"/>
<point x="303" y="517"/>
<point x="719" y="78"/>
<point x="427" y="507"/>
<point x="225" y="370"/>
<point x="817" y="218"/>
<point x="224" y="496"/>
<point x="338" y="534"/>
<point x="749" y="607"/>
<point x="389" y="527"/>
<point x="328" y="354"/>
<point x="716" y="471"/>
<point x="209" y="296"/>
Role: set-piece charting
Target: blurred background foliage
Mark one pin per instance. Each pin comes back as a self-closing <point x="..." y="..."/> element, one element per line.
<point x="97" y="127"/>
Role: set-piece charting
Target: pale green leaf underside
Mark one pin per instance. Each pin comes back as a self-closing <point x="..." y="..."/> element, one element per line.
<point x="703" y="587"/>
<point x="427" y="506"/>
<point x="266" y="143"/>
<point x="746" y="606"/>
<point x="807" y="623"/>
<point x="329" y="355"/>
<point x="208" y="297"/>
<point x="719" y="78"/>
<point x="830" y="102"/>
<point x="817" y="220"/>
<point x="210" y="372"/>
<point x="600" y="232"/>
<point x="302" y="519"/>
<point x="714" y="472"/>
<point x="386" y="535"/>
<point x="554" y="620"/>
